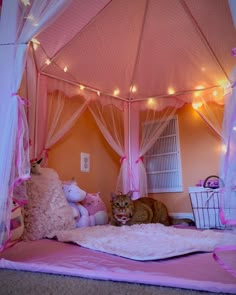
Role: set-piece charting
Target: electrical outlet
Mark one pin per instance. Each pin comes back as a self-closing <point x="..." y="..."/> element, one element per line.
<point x="84" y="162"/>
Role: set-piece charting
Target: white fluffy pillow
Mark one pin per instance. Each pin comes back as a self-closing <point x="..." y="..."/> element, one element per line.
<point x="47" y="209"/>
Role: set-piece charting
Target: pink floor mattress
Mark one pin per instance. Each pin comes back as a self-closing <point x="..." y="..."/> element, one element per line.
<point x="198" y="271"/>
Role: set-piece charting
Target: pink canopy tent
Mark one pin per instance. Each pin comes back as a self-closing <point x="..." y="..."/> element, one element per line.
<point x="130" y="56"/>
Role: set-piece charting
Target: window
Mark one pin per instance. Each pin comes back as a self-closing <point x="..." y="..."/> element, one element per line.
<point x="162" y="161"/>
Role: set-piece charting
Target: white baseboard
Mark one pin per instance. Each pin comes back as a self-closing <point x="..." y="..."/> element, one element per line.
<point x="182" y="215"/>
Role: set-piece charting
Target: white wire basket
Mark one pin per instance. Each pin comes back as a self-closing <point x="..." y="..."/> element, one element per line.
<point x="206" y="207"/>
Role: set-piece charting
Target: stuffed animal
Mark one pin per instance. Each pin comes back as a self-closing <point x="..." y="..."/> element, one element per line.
<point x="88" y="209"/>
<point x="74" y="196"/>
<point x="16" y="224"/>
<point x="35" y="166"/>
<point x="96" y="208"/>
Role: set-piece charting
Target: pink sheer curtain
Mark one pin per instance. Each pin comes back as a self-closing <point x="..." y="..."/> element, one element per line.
<point x="16" y="30"/>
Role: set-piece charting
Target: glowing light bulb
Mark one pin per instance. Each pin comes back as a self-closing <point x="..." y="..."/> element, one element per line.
<point x="65" y="69"/>
<point x="171" y="90"/>
<point x="199" y="87"/>
<point x="215" y="93"/>
<point x="36" y="43"/>
<point x="151" y="103"/>
<point x="196" y="105"/>
<point x="223" y="148"/>
<point x="47" y="62"/>
<point x="81" y="87"/>
<point x="133" y="89"/>
<point x="116" y="92"/>
<point x="35" y="46"/>
<point x="25" y="2"/>
<point x="29" y="17"/>
<point x="224" y="84"/>
<point x="234" y="128"/>
<point x="197" y="93"/>
<point x="98" y="93"/>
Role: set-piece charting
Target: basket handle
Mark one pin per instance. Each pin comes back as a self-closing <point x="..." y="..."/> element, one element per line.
<point x="212" y="176"/>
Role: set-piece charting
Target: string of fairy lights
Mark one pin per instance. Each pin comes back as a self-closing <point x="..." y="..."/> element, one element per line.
<point x="217" y="91"/>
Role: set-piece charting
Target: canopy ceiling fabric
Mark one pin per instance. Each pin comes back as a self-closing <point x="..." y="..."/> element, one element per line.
<point x="156" y="46"/>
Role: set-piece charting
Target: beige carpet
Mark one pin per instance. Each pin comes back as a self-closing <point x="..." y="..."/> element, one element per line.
<point x="28" y="283"/>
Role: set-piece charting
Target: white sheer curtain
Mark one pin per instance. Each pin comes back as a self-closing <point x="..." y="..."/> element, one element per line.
<point x="212" y="113"/>
<point x="157" y="114"/>
<point x="62" y="113"/>
<point x="109" y="114"/>
<point x="228" y="160"/>
<point x="114" y="120"/>
<point x="16" y="30"/>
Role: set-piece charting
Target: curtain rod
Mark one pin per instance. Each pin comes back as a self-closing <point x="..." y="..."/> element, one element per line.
<point x="86" y="87"/>
<point x="14" y="44"/>
<point x="132" y="100"/>
<point x="175" y="94"/>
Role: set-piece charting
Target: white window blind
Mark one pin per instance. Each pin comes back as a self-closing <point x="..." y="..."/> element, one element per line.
<point x="162" y="161"/>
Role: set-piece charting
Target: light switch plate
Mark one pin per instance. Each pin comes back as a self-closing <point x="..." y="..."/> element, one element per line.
<point x="84" y="162"/>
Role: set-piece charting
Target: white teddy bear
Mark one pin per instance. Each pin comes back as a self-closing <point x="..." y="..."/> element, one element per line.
<point x="74" y="196"/>
<point x="88" y="208"/>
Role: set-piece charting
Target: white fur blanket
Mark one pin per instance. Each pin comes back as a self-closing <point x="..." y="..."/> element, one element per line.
<point x="146" y="241"/>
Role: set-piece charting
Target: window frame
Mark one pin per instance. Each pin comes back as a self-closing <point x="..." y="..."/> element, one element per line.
<point x="178" y="160"/>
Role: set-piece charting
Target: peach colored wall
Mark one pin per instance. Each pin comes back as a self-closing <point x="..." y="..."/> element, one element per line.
<point x="85" y="137"/>
<point x="200" y="152"/>
<point x="200" y="149"/>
